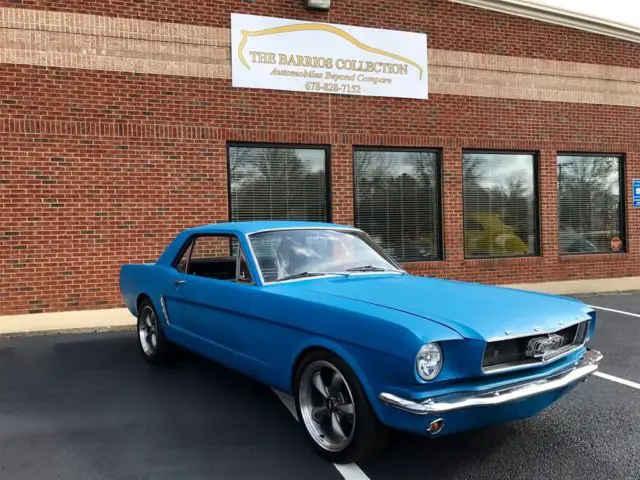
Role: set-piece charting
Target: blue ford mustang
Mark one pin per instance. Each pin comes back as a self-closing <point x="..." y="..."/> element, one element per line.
<point x="321" y="312"/>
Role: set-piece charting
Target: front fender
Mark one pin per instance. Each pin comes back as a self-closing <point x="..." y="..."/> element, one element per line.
<point x="376" y="370"/>
<point x="353" y="355"/>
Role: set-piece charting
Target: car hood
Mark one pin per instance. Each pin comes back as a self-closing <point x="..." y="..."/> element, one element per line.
<point x="473" y="310"/>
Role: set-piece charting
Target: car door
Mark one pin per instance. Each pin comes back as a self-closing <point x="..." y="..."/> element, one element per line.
<point x="211" y="296"/>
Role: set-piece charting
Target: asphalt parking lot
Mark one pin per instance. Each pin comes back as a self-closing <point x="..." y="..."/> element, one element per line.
<point x="86" y="407"/>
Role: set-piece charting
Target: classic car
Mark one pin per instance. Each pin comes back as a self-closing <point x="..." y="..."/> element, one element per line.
<point x="323" y="313"/>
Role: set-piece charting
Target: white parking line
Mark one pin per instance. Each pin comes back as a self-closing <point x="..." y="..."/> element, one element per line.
<point x="615" y="311"/>
<point x="349" y="471"/>
<point x="287" y="401"/>
<point x="622" y="381"/>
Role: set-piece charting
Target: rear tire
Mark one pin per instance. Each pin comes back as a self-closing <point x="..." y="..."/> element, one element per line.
<point x="153" y="344"/>
<point x="334" y="411"/>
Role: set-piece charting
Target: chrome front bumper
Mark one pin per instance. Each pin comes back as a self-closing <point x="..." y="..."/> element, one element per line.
<point x="585" y="367"/>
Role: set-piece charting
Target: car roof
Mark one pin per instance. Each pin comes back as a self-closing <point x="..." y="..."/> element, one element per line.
<point x="237" y="228"/>
<point x="248" y="227"/>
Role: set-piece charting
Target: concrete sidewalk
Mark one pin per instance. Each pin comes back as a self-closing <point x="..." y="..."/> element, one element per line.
<point x="121" y="318"/>
<point x="583" y="287"/>
<point x="67" y="322"/>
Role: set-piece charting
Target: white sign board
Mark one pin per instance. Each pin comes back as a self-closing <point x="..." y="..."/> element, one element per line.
<point x="317" y="57"/>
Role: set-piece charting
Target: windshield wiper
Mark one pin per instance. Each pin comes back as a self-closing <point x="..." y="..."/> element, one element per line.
<point x="346" y="273"/>
<point x="299" y="275"/>
<point x="371" y="268"/>
<point x="310" y="274"/>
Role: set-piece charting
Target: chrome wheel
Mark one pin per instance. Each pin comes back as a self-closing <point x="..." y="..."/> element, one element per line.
<point x="148" y="332"/>
<point x="327" y="406"/>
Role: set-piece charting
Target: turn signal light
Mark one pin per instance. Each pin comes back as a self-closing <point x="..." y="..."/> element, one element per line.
<point x="435" y="426"/>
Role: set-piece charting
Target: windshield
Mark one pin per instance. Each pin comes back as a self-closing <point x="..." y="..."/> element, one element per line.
<point x="282" y="254"/>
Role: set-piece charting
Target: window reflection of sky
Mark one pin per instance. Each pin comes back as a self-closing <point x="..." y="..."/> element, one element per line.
<point x="397" y="163"/>
<point x="501" y="170"/>
<point x="580" y="168"/>
<point x="313" y="159"/>
<point x="250" y="163"/>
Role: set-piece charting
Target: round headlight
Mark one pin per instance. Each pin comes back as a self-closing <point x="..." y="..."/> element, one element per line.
<point x="429" y="361"/>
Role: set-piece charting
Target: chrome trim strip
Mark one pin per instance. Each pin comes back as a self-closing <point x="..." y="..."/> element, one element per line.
<point x="541" y="332"/>
<point x="164" y="309"/>
<point x="278" y="229"/>
<point x="585" y="368"/>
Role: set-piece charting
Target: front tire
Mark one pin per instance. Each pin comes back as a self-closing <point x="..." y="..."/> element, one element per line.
<point x="154" y="346"/>
<point x="334" y="411"/>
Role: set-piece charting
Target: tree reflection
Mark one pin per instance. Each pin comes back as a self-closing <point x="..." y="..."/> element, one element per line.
<point x="499" y="205"/>
<point x="396" y="201"/>
<point x="277" y="184"/>
<point x="589" y="202"/>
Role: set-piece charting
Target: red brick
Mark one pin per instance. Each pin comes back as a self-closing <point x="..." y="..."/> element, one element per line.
<point x="94" y="204"/>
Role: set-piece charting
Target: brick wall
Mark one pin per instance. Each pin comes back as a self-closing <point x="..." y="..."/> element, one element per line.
<point x="99" y="167"/>
<point x="450" y="26"/>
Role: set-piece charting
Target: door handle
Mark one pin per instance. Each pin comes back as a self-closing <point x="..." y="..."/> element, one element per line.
<point x="179" y="282"/>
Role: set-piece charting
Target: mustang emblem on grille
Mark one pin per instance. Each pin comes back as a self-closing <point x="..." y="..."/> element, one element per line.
<point x="541" y="347"/>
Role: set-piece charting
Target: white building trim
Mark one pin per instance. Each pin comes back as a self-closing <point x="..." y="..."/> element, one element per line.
<point x="559" y="16"/>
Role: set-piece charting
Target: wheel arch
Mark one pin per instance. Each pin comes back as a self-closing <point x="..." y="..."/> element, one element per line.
<point x="335" y="348"/>
<point x="140" y="298"/>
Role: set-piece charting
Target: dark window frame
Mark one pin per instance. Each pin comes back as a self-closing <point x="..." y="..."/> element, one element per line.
<point x="538" y="250"/>
<point x="439" y="192"/>
<point x="190" y="242"/>
<point x="622" y="185"/>
<point x="305" y="146"/>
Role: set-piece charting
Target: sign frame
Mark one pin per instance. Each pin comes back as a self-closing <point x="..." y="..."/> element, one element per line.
<point x="317" y="57"/>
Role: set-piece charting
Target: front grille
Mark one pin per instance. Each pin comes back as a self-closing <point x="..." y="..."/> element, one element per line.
<point x="513" y="352"/>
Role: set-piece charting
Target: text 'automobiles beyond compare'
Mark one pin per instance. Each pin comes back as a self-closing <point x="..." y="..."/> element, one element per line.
<point x="320" y="311"/>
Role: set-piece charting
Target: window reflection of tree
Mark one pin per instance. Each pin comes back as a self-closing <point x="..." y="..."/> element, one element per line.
<point x="396" y="201"/>
<point x="505" y="202"/>
<point x="277" y="184"/>
<point x="589" y="201"/>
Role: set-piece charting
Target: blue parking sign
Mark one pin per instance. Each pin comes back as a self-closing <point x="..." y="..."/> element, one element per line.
<point x="636" y="193"/>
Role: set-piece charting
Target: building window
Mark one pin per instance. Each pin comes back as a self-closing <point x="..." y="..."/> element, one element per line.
<point x="590" y="208"/>
<point x="278" y="183"/>
<point x="500" y="205"/>
<point x="397" y="201"/>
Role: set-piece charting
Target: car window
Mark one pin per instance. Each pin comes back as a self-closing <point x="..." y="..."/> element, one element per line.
<point x="215" y="256"/>
<point x="244" y="274"/>
<point x="265" y="249"/>
<point x="210" y="247"/>
<point x="181" y="266"/>
<point x="283" y="253"/>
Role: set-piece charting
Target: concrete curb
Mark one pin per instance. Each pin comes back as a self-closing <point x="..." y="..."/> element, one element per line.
<point x="118" y="319"/>
<point x="601" y="286"/>
<point x="68" y="331"/>
<point x="75" y="321"/>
